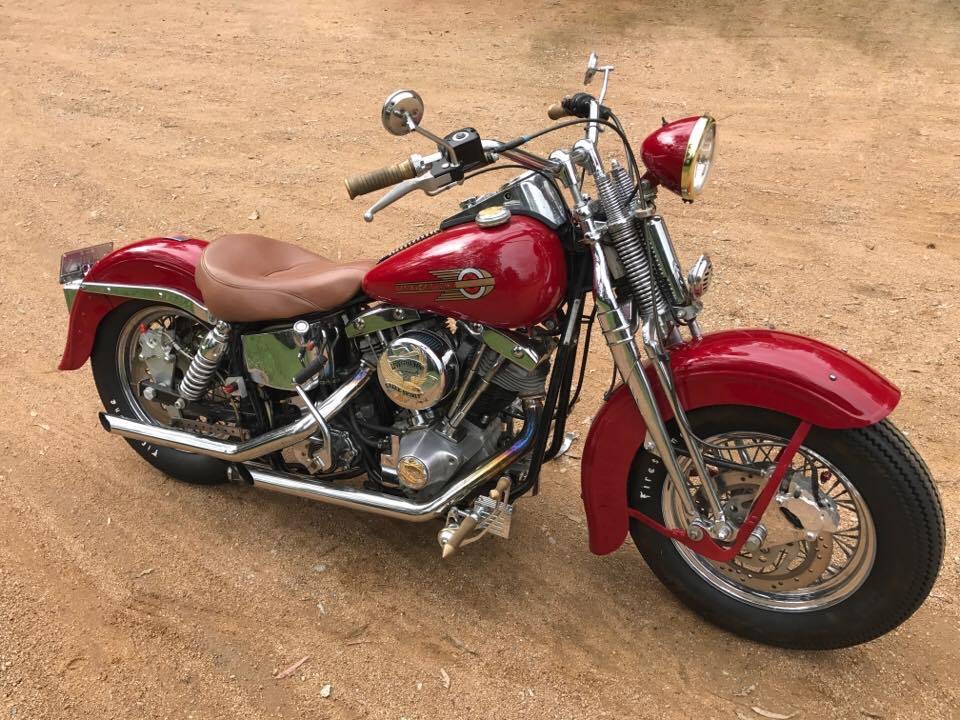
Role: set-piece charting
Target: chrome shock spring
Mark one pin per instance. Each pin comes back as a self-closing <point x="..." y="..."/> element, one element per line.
<point x="204" y="364"/>
<point x="628" y="243"/>
<point x="622" y="179"/>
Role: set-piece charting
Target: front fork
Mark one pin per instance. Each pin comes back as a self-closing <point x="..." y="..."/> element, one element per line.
<point x="619" y="334"/>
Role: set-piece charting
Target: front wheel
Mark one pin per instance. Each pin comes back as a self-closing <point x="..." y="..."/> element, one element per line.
<point x="853" y="569"/>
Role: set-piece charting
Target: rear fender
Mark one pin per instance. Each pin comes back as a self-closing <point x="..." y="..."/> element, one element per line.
<point x="790" y="374"/>
<point x="159" y="269"/>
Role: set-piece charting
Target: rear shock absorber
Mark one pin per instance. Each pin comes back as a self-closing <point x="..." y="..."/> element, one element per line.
<point x="627" y="242"/>
<point x="204" y="364"/>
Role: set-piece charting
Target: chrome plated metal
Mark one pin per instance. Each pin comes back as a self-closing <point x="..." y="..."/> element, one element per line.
<point x="398" y="507"/>
<point x="530" y="191"/>
<point x="658" y="238"/>
<point x="204" y="365"/>
<point x="699" y="277"/>
<point x="439" y="456"/>
<point x="401" y="109"/>
<point x="660" y="360"/>
<point x="618" y="332"/>
<point x="275" y="356"/>
<point x="451" y="424"/>
<point x="418" y="370"/>
<point x="566" y="444"/>
<point x="492" y="216"/>
<point x="468" y="378"/>
<point x="514" y="347"/>
<point x="783" y="568"/>
<point x="243" y="451"/>
<point x="379" y="319"/>
<point x="815" y="517"/>
<point x="150" y="292"/>
<point x="70" y="290"/>
<point x="324" y="454"/>
<point x="425" y="181"/>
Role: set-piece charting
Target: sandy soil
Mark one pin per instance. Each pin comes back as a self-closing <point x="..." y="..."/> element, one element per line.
<point x="833" y="212"/>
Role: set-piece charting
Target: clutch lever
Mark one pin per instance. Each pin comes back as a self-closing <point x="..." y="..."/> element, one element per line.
<point x="425" y="181"/>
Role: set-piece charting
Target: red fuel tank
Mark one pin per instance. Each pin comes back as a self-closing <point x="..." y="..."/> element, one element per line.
<point x="509" y="276"/>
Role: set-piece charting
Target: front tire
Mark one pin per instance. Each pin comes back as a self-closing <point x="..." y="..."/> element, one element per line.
<point x="112" y="372"/>
<point x="899" y="535"/>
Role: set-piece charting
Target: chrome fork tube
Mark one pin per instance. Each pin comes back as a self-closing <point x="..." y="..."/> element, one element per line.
<point x="618" y="332"/>
<point x="661" y="364"/>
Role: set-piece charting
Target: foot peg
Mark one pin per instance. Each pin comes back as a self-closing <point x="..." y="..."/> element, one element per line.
<point x="489" y="514"/>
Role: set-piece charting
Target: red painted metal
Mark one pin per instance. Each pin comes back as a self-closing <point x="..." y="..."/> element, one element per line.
<point x="706" y="546"/>
<point x="777" y="371"/>
<point x="663" y="150"/>
<point x="512" y="275"/>
<point x="161" y="262"/>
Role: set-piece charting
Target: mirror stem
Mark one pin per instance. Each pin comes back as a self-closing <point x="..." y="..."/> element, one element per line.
<point x="451" y="153"/>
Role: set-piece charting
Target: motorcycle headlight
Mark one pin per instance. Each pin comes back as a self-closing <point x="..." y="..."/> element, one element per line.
<point x="698" y="157"/>
<point x="679" y="154"/>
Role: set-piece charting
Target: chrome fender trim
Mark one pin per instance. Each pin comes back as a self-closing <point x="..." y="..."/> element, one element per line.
<point x="147" y="292"/>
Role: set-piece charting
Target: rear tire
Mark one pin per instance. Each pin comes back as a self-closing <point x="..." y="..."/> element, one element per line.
<point x="907" y="520"/>
<point x="113" y="331"/>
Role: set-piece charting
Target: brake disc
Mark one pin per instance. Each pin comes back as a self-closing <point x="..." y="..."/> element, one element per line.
<point x="785" y="560"/>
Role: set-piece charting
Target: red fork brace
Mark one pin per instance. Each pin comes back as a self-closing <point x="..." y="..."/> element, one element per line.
<point x="706" y="546"/>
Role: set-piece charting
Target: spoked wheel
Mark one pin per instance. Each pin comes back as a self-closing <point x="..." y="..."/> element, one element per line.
<point x="854" y="537"/>
<point x="142" y="343"/>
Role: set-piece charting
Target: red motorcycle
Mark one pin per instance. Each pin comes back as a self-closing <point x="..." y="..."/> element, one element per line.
<point x="755" y="470"/>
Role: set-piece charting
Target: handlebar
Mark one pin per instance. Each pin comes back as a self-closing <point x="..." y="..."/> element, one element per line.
<point x="384" y="177"/>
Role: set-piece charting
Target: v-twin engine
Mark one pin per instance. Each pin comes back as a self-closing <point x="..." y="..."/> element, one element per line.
<point x="453" y="391"/>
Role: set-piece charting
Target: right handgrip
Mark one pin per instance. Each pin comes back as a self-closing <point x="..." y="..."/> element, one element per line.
<point x="378" y="179"/>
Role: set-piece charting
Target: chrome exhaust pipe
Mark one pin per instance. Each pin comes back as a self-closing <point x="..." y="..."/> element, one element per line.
<point x="239" y="452"/>
<point x="402" y="508"/>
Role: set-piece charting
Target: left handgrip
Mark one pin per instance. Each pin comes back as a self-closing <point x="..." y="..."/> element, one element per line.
<point x="378" y="179"/>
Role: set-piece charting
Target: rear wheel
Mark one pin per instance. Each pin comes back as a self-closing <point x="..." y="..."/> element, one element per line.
<point x="852" y="548"/>
<point x="141" y="342"/>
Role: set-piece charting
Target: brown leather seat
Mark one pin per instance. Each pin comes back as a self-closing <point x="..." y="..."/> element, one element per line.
<point x="246" y="278"/>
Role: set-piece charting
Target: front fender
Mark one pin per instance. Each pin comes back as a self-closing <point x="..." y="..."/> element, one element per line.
<point x="161" y="268"/>
<point x="790" y="374"/>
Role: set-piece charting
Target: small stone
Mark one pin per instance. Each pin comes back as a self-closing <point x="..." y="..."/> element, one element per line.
<point x="255" y="215"/>
<point x="320" y="568"/>
<point x="326" y="690"/>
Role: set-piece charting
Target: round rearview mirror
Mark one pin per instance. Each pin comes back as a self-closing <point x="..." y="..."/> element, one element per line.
<point x="591" y="68"/>
<point x="402" y="112"/>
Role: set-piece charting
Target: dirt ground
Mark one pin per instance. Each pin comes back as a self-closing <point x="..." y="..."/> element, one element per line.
<point x="123" y="594"/>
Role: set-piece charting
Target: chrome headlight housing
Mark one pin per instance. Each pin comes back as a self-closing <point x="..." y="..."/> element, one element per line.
<point x="698" y="157"/>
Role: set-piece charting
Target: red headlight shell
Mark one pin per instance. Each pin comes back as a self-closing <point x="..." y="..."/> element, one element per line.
<point x="678" y="154"/>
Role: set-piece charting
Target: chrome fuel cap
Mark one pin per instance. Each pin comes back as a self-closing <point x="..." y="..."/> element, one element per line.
<point x="493" y="216"/>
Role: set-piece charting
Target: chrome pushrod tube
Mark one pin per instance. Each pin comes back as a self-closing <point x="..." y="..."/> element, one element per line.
<point x="398" y="507"/>
<point x="618" y="332"/>
<point x="255" y="447"/>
